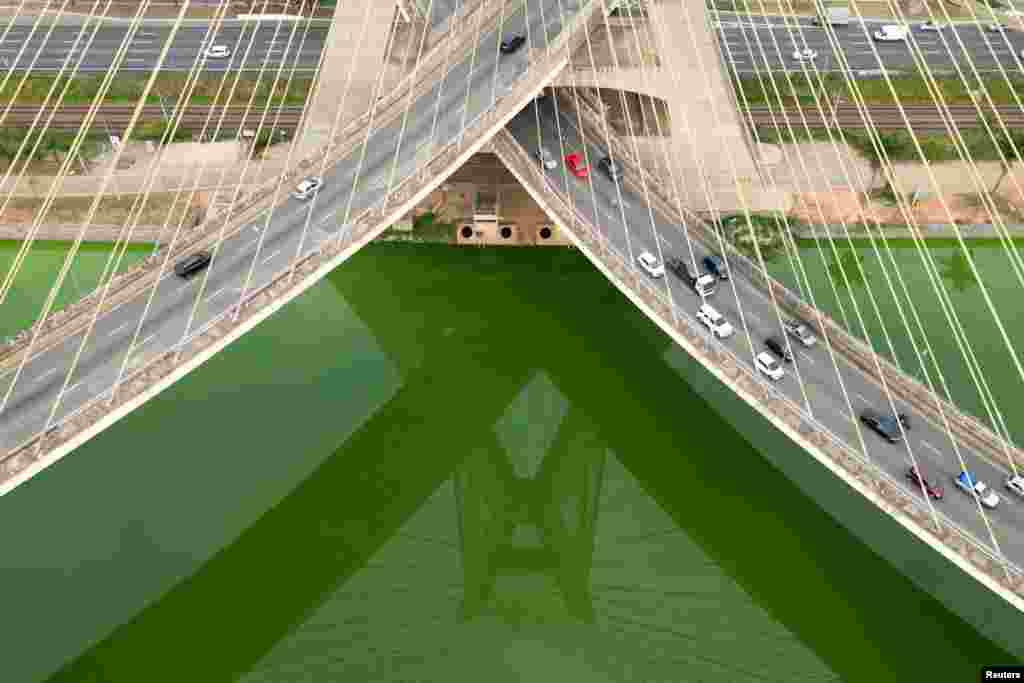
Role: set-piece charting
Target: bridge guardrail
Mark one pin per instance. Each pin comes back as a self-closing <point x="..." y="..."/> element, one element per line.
<point x="767" y="398"/>
<point x="283" y="285"/>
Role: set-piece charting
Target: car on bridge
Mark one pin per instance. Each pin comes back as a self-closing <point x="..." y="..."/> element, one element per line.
<point x="714" y="321"/>
<point x="966" y="482"/>
<point x="800" y="331"/>
<point x="933" y="26"/>
<point x="576" y="165"/>
<point x="1015" y="484"/>
<point x="778" y="347"/>
<point x="218" y="52"/>
<point x="308" y="187"/>
<point x="546" y="158"/>
<point x="716" y="266"/>
<point x="703" y="286"/>
<point x="931" y="489"/>
<point x="891" y="33"/>
<point x="512" y="44"/>
<point x="612" y="169"/>
<point x="190" y="265"/>
<point x="768" y="366"/>
<point x="649" y="262"/>
<point x="886" y="426"/>
<point x="805" y="55"/>
<point x="997" y="28"/>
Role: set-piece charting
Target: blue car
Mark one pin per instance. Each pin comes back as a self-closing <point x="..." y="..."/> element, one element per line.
<point x="716" y="266"/>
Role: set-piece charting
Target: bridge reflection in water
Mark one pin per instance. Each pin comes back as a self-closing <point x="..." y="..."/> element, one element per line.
<point x="514" y="506"/>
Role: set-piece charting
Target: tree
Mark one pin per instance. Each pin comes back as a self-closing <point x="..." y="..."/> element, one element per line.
<point x="1009" y="142"/>
<point x="956" y="269"/>
<point x="846" y="261"/>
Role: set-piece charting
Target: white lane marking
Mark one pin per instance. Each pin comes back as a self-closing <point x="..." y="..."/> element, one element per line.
<point x="136" y="61"/>
<point x="73" y="387"/>
<point x="216" y="294"/>
<point x="806" y="357"/>
<point x="255" y="228"/>
<point x="147" y="339"/>
<point x="930" y="447"/>
<point x="119" y="328"/>
<point x="272" y="256"/>
<point x="46" y="374"/>
<point x="666" y="242"/>
<point x="862" y="398"/>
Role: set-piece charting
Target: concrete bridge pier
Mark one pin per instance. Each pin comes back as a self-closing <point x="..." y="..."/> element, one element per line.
<point x="705" y="123"/>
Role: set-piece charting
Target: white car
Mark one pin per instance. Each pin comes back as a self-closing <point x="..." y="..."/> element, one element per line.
<point x="1016" y="485"/>
<point x="649" y="262"/>
<point x="891" y="33"/>
<point x="308" y="187"/>
<point x="714" y="321"/>
<point x="218" y="51"/>
<point x="966" y="482"/>
<point x="933" y="26"/>
<point x="996" y="28"/>
<point x="807" y="54"/>
<point x="546" y="158"/>
<point x="768" y="366"/>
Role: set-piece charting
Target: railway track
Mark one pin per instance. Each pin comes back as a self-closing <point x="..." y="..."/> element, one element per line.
<point x="114" y="118"/>
<point x="924" y="118"/>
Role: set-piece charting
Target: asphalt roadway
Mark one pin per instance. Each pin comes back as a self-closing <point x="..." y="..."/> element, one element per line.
<point x="755" y="44"/>
<point x="928" y="442"/>
<point x="287" y="235"/>
<point x="759" y="44"/>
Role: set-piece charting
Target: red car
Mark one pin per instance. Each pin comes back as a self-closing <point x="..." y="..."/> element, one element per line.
<point x="575" y="163"/>
<point x="933" y="490"/>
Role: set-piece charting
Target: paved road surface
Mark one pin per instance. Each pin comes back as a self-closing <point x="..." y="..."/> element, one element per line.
<point x="757" y="43"/>
<point x="767" y="43"/>
<point x="165" y="326"/>
<point x="929" y="444"/>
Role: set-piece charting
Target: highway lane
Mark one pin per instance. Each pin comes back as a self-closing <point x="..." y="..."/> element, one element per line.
<point x="767" y="44"/>
<point x="269" y="44"/>
<point x="429" y="119"/>
<point x="824" y="397"/>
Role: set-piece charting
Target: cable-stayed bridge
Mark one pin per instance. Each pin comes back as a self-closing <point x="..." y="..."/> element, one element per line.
<point x="452" y="91"/>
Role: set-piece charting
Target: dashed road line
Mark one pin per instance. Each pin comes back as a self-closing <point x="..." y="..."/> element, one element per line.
<point x="806" y="357"/>
<point x="73" y="387"/>
<point x="271" y="256"/>
<point x="930" y="447"/>
<point x="119" y="328"/>
<point x="216" y="294"/>
<point x="46" y="374"/>
<point x="147" y="339"/>
<point x="862" y="398"/>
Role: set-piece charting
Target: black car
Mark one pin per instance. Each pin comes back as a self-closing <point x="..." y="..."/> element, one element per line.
<point x="886" y="426"/>
<point x="716" y="266"/>
<point x="679" y="268"/>
<point x="612" y="168"/>
<point x="776" y="346"/>
<point x="512" y="44"/>
<point x="189" y="266"/>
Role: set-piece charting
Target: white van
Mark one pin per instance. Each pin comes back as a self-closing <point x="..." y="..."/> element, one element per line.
<point x="891" y="33"/>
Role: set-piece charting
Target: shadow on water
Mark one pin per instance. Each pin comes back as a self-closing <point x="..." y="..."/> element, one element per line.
<point x="468" y="330"/>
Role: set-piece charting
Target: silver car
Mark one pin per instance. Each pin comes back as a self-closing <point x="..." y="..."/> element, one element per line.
<point x="308" y="187"/>
<point x="546" y="158"/>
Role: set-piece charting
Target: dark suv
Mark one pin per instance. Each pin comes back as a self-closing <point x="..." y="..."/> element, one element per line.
<point x="931" y="489"/>
<point x="189" y="266"/>
<point x="612" y="168"/>
<point x="512" y="44"/>
<point x="778" y="347"/>
<point x="886" y="426"/>
<point x="716" y="266"/>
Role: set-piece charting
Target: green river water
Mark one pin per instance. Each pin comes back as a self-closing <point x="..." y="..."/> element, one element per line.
<point x="445" y="465"/>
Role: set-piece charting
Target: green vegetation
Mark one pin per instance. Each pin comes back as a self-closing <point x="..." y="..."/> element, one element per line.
<point x="430" y="226"/>
<point x="911" y="90"/>
<point x="128" y="89"/>
<point x="898" y="145"/>
<point x="53" y="146"/>
<point x="766" y="229"/>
